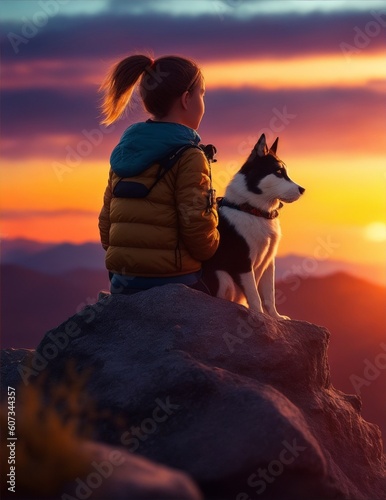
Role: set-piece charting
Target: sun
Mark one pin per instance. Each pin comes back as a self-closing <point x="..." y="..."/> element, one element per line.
<point x="376" y="231"/>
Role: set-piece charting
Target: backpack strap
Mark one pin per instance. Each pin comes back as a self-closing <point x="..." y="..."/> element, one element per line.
<point x="132" y="189"/>
<point x="167" y="163"/>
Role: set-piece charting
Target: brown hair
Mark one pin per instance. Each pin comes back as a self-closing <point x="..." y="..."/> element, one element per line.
<point x="162" y="81"/>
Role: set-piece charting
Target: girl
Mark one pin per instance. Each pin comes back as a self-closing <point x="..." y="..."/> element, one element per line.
<point x="164" y="236"/>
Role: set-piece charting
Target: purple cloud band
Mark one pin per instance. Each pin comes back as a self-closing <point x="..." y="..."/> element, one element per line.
<point x="203" y="37"/>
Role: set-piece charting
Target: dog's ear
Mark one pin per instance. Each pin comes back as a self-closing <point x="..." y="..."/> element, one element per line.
<point x="274" y="145"/>
<point x="261" y="147"/>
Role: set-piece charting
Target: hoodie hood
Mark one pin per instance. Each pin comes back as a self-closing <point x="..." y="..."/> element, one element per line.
<point x="145" y="143"/>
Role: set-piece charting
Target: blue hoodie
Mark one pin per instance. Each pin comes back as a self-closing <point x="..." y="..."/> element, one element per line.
<point x="145" y="143"/>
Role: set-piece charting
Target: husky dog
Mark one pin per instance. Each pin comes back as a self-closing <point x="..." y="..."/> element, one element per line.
<point x="243" y="267"/>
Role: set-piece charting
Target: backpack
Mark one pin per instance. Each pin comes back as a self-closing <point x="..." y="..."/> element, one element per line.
<point x="132" y="189"/>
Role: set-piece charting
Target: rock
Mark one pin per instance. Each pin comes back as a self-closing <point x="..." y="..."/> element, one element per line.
<point x="116" y="474"/>
<point x="10" y="359"/>
<point x="240" y="402"/>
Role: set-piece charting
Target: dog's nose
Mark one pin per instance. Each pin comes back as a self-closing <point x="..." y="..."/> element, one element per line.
<point x="301" y="190"/>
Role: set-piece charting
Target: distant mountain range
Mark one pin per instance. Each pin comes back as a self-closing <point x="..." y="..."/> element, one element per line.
<point x="55" y="259"/>
<point x="354" y="312"/>
<point x="52" y="258"/>
<point x="42" y="285"/>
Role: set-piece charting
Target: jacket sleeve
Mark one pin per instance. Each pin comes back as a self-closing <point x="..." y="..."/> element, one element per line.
<point x="197" y="225"/>
<point x="104" y="216"/>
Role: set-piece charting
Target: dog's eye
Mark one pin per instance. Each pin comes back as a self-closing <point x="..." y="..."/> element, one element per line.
<point x="279" y="172"/>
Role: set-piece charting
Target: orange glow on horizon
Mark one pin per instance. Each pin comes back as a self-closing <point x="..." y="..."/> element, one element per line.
<point x="58" y="229"/>
<point x="81" y="187"/>
<point x="301" y="72"/>
<point x="328" y="208"/>
<point x="322" y="70"/>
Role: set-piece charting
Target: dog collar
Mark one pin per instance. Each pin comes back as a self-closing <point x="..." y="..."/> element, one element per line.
<point x="246" y="207"/>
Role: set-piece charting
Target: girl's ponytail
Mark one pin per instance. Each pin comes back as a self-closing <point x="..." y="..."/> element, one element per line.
<point x="119" y="85"/>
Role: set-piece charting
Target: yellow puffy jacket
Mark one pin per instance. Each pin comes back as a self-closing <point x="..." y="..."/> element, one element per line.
<point x="167" y="233"/>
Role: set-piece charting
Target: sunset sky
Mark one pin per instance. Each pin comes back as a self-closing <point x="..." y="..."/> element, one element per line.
<point x="311" y="72"/>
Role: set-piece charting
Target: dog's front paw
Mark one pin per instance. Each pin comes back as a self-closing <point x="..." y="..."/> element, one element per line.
<point x="279" y="317"/>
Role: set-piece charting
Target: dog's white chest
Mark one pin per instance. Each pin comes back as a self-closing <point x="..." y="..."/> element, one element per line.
<point x="261" y="235"/>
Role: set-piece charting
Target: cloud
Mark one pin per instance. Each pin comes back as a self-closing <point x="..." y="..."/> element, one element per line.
<point x="45" y="111"/>
<point x="206" y="37"/>
<point x="310" y="122"/>
<point x="317" y="120"/>
<point x="14" y="10"/>
<point x="63" y="63"/>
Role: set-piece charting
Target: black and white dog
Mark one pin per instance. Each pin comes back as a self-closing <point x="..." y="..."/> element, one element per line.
<point x="243" y="268"/>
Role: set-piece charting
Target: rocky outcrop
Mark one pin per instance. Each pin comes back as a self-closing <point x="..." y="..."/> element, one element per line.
<point x="240" y="402"/>
<point x="118" y="475"/>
